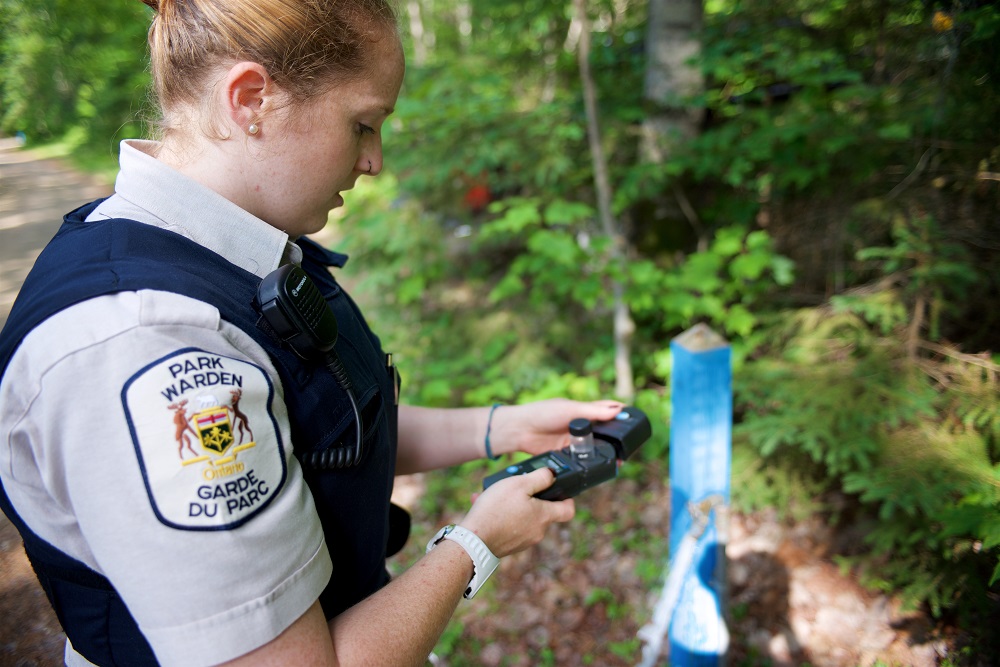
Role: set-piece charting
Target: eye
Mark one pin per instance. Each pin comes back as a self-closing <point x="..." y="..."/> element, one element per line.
<point x="365" y="129"/>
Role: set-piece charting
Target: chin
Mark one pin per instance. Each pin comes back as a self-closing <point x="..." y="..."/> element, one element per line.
<point x="317" y="225"/>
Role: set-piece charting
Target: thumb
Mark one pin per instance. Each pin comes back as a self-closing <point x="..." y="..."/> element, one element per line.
<point x="603" y="410"/>
<point x="539" y="480"/>
<point x="558" y="510"/>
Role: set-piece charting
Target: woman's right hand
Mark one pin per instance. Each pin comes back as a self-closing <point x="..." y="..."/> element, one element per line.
<point x="509" y="519"/>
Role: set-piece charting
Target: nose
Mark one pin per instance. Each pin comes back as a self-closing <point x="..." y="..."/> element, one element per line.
<point x="370" y="161"/>
<point x="369" y="165"/>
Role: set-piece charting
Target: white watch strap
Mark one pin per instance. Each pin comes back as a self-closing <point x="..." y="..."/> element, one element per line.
<point x="483" y="561"/>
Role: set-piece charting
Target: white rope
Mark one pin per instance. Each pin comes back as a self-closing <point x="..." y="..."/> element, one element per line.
<point x="653" y="633"/>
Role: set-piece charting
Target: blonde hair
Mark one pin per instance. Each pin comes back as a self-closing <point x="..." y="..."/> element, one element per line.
<point x="306" y="46"/>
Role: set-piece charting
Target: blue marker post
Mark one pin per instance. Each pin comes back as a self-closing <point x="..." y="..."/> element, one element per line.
<point x="690" y="608"/>
<point x="700" y="466"/>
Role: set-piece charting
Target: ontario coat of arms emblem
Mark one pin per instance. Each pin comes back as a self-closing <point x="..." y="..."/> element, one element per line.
<point x="203" y="465"/>
<point x="214" y="429"/>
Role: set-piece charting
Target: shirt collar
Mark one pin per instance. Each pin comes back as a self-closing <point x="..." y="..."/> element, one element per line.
<point x="187" y="207"/>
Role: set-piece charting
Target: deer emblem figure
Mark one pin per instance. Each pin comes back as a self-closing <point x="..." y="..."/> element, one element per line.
<point x="183" y="426"/>
<point x="240" y="421"/>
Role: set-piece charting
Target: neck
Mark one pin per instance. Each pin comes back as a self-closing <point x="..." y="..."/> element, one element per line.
<point x="221" y="165"/>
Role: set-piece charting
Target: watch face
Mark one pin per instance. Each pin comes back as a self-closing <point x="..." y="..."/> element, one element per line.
<point x="441" y="534"/>
<point x="445" y="532"/>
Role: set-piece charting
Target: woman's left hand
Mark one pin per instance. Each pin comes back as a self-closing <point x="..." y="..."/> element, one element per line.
<point x="539" y="427"/>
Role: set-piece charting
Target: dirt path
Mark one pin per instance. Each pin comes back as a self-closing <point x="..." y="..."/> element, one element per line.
<point x="796" y="607"/>
<point x="34" y="195"/>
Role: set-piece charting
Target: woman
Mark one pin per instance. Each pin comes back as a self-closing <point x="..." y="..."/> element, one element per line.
<point x="153" y="426"/>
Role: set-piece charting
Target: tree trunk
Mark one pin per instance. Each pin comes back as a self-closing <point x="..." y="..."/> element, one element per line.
<point x="421" y="38"/>
<point x="672" y="75"/>
<point x="463" y="16"/>
<point x="624" y="326"/>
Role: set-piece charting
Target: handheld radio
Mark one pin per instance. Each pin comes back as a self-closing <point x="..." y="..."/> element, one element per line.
<point x="296" y="313"/>
<point x="592" y="457"/>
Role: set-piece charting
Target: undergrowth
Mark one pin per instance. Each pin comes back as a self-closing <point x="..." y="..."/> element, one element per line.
<point x="910" y="430"/>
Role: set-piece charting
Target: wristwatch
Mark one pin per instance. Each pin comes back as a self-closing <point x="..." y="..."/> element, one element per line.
<point x="483" y="560"/>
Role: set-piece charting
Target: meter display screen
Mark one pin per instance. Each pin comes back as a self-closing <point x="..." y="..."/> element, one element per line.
<point x="540" y="462"/>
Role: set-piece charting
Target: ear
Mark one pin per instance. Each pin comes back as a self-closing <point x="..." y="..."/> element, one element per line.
<point x="244" y="92"/>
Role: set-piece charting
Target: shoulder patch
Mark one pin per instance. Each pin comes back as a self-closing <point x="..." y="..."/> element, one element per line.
<point x="208" y="444"/>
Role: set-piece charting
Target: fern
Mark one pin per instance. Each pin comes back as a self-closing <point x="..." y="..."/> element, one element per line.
<point x="912" y="438"/>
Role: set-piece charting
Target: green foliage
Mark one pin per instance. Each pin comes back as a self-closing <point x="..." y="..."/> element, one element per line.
<point x="937" y="269"/>
<point x="798" y="109"/>
<point x="720" y="285"/>
<point x="459" y="126"/>
<point x="914" y="439"/>
<point x="792" y="487"/>
<point x="626" y="650"/>
<point x="850" y="397"/>
<point x="69" y="71"/>
<point x="830" y="411"/>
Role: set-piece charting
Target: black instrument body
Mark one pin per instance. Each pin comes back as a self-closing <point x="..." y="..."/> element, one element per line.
<point x="615" y="440"/>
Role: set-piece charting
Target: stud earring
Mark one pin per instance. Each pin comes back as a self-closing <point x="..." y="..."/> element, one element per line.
<point x="253" y="129"/>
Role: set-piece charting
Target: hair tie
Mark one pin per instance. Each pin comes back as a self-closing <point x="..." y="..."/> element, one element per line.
<point x="489" y="425"/>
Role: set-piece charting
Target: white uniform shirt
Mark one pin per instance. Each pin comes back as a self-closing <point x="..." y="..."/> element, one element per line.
<point x="147" y="438"/>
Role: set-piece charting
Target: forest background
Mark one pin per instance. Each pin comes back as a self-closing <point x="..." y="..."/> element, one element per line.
<point x="570" y="185"/>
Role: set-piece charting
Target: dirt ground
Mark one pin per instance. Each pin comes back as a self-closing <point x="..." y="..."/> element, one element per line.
<point x="34" y="195"/>
<point x="796" y="607"/>
<point x="789" y="604"/>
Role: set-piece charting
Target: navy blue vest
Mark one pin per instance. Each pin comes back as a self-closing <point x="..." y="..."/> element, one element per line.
<point x="88" y="259"/>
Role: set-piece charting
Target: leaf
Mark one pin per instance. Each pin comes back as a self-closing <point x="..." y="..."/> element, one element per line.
<point x="411" y="289"/>
<point x="728" y="241"/>
<point x="520" y="215"/>
<point x="562" y="212"/>
<point x="900" y="131"/>
<point x="701" y="272"/>
<point x="510" y="285"/>
<point x="739" y="320"/>
<point x="783" y="270"/>
<point x="557" y="247"/>
<point x="749" y="266"/>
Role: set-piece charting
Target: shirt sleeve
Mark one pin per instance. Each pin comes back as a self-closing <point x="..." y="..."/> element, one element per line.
<point x="149" y="439"/>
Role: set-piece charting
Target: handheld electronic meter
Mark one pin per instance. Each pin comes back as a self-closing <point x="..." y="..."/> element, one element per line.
<point x="592" y="457"/>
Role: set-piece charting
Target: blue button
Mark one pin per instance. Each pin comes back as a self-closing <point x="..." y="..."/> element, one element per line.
<point x="512" y="469"/>
<point x="623" y="415"/>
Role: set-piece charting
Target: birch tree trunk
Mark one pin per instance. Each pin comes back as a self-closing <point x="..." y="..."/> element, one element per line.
<point x="624" y="326"/>
<point x="672" y="75"/>
<point x="423" y="39"/>
<point x="463" y="16"/>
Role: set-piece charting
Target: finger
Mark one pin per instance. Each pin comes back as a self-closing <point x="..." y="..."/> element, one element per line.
<point x="562" y="510"/>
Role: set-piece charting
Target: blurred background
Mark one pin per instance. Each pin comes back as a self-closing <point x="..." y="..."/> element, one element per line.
<point x="571" y="184"/>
